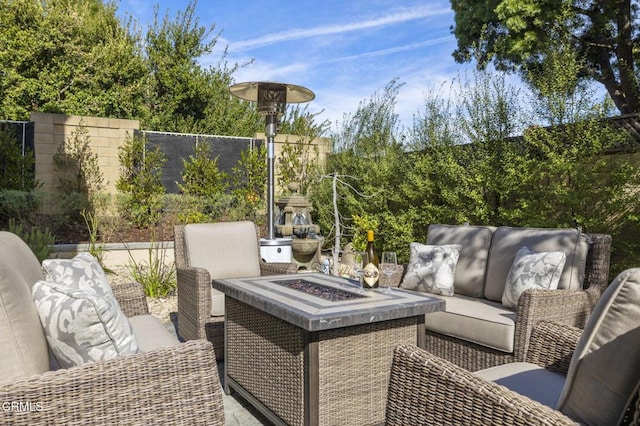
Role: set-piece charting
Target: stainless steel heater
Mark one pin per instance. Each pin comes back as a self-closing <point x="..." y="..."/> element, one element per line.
<point x="272" y="99"/>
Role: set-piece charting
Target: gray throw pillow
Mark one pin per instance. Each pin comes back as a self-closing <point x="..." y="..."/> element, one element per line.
<point x="432" y="268"/>
<point x="81" y="272"/>
<point x="80" y="325"/>
<point x="532" y="269"/>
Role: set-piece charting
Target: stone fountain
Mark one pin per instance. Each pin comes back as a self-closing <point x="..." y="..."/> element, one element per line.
<point x="295" y="221"/>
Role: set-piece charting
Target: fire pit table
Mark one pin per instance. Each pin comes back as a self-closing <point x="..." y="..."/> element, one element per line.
<point x="309" y="349"/>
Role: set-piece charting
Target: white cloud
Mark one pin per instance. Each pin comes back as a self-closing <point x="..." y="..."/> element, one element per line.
<point x="296" y="34"/>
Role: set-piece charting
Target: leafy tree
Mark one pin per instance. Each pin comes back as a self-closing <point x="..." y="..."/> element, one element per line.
<point x="184" y="96"/>
<point x="518" y="34"/>
<point x="70" y="57"/>
<point x="141" y="181"/>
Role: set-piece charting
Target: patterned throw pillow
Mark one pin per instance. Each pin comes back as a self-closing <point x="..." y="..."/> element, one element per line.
<point x="82" y="272"/>
<point x="432" y="268"/>
<point x="532" y="269"/>
<point x="80" y="315"/>
<point x="80" y="325"/>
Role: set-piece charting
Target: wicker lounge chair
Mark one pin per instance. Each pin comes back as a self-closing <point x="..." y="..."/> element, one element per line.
<point x="208" y="251"/>
<point x="588" y="376"/>
<point x="170" y="383"/>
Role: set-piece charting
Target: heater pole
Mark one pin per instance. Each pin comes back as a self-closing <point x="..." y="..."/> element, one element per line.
<point x="270" y="132"/>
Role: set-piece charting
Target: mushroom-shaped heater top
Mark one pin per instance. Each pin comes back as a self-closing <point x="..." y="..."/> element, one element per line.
<point x="272" y="99"/>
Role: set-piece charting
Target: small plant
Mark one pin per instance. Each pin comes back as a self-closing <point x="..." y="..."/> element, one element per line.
<point x="157" y="277"/>
<point x="39" y="241"/>
<point x="95" y="249"/>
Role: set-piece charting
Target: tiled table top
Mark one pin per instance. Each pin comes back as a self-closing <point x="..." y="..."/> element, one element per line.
<point x="312" y="313"/>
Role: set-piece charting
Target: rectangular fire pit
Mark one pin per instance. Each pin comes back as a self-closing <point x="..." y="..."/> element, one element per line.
<point x="320" y="290"/>
<point x="303" y="359"/>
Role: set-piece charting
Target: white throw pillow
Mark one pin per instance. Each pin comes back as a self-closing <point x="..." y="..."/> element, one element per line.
<point x="432" y="268"/>
<point x="532" y="269"/>
<point x="80" y="325"/>
<point x="81" y="272"/>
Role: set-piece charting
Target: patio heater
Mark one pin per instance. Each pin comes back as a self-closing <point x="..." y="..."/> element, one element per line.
<point x="272" y="99"/>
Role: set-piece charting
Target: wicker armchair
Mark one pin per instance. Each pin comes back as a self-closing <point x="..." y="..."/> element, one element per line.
<point x="587" y="373"/>
<point x="174" y="384"/>
<point x="571" y="307"/>
<point x="225" y="245"/>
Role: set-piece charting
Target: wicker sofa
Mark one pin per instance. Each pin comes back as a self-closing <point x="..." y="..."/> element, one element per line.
<point x="476" y="331"/>
<point x="205" y="251"/>
<point x="167" y="382"/>
<point x="570" y="376"/>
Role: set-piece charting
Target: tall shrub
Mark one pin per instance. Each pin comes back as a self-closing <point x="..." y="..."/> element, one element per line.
<point x="140" y="181"/>
<point x="298" y="160"/>
<point x="249" y="184"/>
<point x="78" y="173"/>
<point x="368" y="157"/>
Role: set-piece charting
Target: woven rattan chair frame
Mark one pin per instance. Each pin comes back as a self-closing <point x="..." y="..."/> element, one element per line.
<point x="194" y="295"/>
<point x="173" y="385"/>
<point x="425" y="389"/>
<point x="571" y="307"/>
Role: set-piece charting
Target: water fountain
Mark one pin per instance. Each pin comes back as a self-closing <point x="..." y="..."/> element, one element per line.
<point x="295" y="222"/>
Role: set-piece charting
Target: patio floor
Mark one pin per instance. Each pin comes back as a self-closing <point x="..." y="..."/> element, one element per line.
<point x="237" y="411"/>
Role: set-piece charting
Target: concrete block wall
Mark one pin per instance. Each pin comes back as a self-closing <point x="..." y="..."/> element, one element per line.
<point x="105" y="136"/>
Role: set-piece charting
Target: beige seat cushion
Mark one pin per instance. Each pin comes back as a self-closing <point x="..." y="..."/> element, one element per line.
<point x="23" y="347"/>
<point x="474" y="252"/>
<point x="225" y="249"/>
<point x="507" y="241"/>
<point x="217" y="303"/>
<point x="476" y="320"/>
<point x="527" y="379"/>
<point x="605" y="367"/>
<point x="151" y="333"/>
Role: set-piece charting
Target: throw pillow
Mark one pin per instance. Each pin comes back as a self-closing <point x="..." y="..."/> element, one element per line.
<point x="432" y="268"/>
<point x="532" y="269"/>
<point x="80" y="325"/>
<point x="82" y="272"/>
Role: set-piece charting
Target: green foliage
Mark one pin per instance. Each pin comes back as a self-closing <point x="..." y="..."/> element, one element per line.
<point x="156" y="274"/>
<point x="18" y="205"/>
<point x="187" y="97"/>
<point x="72" y="57"/>
<point x="249" y="182"/>
<point x="201" y="176"/>
<point x="298" y="161"/>
<point x="92" y="221"/>
<point x="17" y="171"/>
<point x="371" y="163"/>
<point x="38" y="240"/>
<point x="79" y="176"/>
<point x="523" y="34"/>
<point x="141" y="181"/>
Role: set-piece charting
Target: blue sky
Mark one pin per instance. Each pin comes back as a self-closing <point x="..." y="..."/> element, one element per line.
<point x="342" y="50"/>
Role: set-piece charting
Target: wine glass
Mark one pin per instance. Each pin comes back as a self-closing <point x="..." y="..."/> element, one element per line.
<point x="358" y="267"/>
<point x="388" y="268"/>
